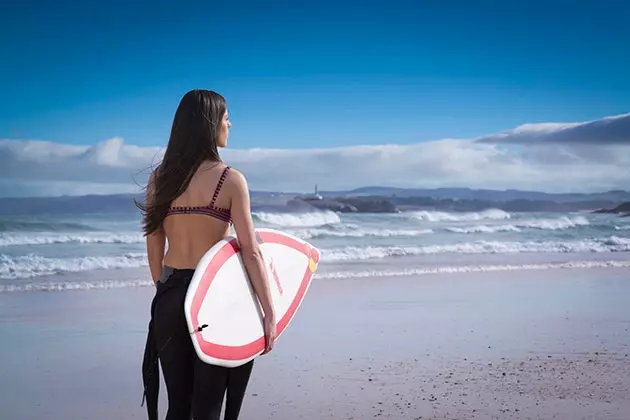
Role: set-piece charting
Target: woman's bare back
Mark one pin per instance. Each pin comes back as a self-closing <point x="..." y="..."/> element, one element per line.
<point x="190" y="235"/>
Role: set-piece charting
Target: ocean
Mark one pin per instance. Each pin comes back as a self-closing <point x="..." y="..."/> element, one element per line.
<point x="57" y="253"/>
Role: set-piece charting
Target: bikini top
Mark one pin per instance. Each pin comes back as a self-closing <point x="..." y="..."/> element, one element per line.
<point x="209" y="210"/>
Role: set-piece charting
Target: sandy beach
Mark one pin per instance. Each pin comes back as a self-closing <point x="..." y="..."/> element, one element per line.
<point x="549" y="344"/>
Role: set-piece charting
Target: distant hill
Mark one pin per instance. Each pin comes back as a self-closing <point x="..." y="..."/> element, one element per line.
<point x="616" y="196"/>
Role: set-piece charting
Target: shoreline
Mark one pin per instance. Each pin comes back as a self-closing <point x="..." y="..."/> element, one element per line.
<point x="393" y="266"/>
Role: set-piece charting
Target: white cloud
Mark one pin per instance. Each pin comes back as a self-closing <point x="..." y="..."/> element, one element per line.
<point x="605" y="131"/>
<point x="534" y="156"/>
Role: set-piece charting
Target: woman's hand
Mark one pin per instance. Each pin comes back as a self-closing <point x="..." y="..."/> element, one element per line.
<point x="269" y="325"/>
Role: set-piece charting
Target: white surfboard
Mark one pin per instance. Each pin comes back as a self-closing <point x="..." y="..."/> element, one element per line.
<point x="223" y="313"/>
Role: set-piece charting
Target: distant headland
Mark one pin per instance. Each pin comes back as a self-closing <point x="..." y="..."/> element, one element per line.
<point x="623" y="210"/>
<point x="394" y="200"/>
<point x="347" y="204"/>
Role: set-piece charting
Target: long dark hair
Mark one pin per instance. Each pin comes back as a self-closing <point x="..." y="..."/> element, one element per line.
<point x="193" y="140"/>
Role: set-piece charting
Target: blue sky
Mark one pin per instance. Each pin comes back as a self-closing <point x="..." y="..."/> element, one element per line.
<point x="310" y="74"/>
<point x="400" y="93"/>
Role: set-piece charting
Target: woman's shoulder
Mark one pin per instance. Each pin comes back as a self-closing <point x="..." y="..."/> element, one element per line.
<point x="236" y="179"/>
<point x="234" y="175"/>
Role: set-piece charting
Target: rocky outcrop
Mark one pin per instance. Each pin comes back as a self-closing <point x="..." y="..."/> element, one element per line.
<point x="623" y="209"/>
<point x="370" y="205"/>
<point x="352" y="204"/>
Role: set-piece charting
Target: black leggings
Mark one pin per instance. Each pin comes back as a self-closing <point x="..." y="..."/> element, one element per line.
<point x="194" y="387"/>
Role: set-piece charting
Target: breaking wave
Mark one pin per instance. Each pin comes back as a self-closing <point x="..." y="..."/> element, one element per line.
<point x="66" y="238"/>
<point x="555" y="224"/>
<point x="34" y="265"/>
<point x="348" y="232"/>
<point x="439" y="216"/>
<point x="517" y="226"/>
<point x="483" y="229"/>
<point x="310" y="219"/>
<point x="353" y="253"/>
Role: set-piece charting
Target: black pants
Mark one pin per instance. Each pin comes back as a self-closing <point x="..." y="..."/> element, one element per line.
<point x="194" y="387"/>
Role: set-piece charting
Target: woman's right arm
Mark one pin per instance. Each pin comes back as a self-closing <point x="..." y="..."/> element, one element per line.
<point x="156" y="241"/>
<point x="251" y="253"/>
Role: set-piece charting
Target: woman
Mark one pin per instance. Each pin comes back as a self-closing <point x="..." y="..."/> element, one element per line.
<point x="191" y="200"/>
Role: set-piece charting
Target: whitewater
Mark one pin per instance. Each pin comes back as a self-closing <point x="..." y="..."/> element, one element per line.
<point x="70" y="252"/>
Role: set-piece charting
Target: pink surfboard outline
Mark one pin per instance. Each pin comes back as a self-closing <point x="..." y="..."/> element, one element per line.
<point x="249" y="350"/>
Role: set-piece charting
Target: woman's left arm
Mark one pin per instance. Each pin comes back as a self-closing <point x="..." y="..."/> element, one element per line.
<point x="156" y="241"/>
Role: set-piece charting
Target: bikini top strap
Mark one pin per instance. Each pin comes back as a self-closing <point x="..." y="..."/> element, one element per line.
<point x="219" y="185"/>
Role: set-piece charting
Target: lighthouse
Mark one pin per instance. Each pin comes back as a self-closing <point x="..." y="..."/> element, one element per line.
<point x="314" y="196"/>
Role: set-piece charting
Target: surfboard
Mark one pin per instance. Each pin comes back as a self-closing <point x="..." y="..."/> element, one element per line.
<point x="223" y="313"/>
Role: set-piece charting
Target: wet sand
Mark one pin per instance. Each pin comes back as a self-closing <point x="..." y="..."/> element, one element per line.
<point x="519" y="345"/>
